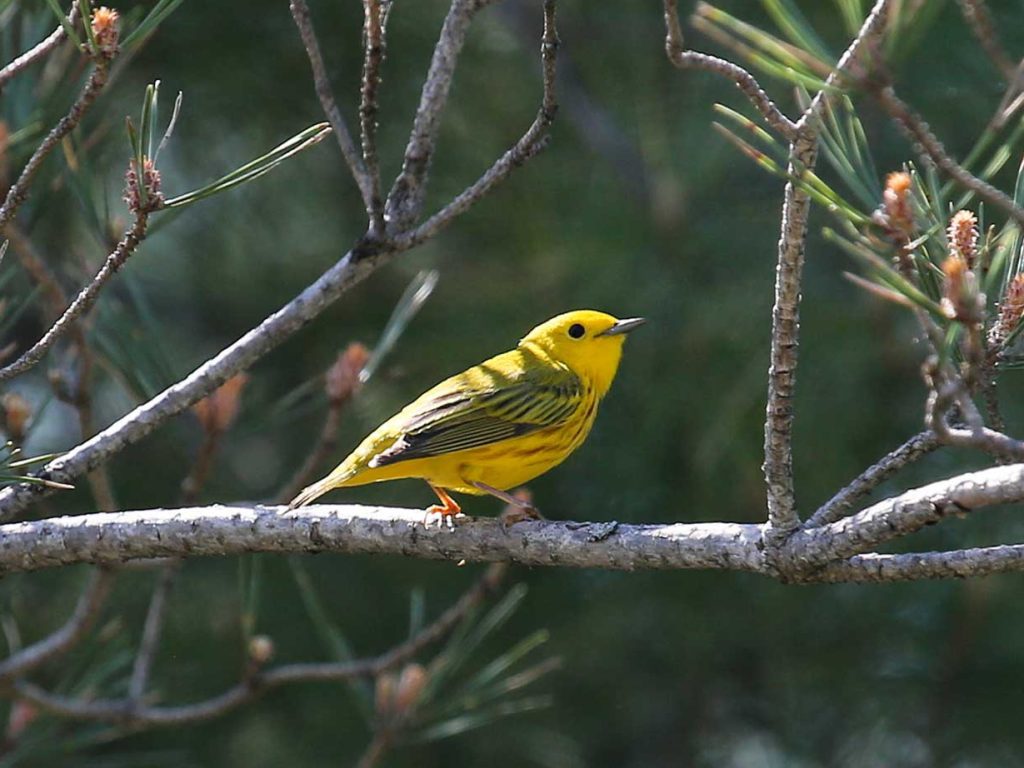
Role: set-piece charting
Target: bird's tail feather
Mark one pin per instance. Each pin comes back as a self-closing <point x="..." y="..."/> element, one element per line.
<point x="313" y="492"/>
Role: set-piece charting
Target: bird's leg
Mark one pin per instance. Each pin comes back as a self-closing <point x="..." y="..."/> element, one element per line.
<point x="519" y="509"/>
<point x="448" y="509"/>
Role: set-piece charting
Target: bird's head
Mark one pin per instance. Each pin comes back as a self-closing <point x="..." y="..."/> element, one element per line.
<point x="589" y="342"/>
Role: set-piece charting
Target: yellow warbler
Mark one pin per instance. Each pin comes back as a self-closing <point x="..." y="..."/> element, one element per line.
<point x="499" y="424"/>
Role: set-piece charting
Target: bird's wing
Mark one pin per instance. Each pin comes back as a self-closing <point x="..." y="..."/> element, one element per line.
<point x="474" y="415"/>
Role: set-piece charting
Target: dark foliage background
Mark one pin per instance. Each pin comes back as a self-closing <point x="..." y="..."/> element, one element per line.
<point x="637" y="208"/>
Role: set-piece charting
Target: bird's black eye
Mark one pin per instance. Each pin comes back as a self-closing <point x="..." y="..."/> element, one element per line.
<point x="576" y="331"/>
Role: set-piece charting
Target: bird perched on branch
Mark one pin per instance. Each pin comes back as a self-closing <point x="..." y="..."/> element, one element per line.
<point x="498" y="424"/>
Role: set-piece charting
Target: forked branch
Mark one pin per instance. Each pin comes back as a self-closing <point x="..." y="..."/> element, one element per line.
<point x="322" y="84"/>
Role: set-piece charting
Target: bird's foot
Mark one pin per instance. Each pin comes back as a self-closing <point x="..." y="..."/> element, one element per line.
<point x="447" y="510"/>
<point x="520" y="504"/>
<point x="518" y="513"/>
<point x="445" y="516"/>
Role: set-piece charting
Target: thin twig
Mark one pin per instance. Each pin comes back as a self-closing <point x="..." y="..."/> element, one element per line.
<point x="778" y="427"/>
<point x="74" y="629"/>
<point x="406" y="196"/>
<point x="83" y="301"/>
<point x="79" y="394"/>
<point x="18" y="192"/>
<point x="529" y="145"/>
<point x="684" y="59"/>
<point x="918" y="131"/>
<point x="988" y="440"/>
<point x="592" y="121"/>
<point x="40" y="50"/>
<point x="978" y="17"/>
<point x="839" y="505"/>
<point x="783" y="519"/>
<point x="373" y="45"/>
<point x="304" y="22"/>
<point x="151" y="631"/>
<point x="133" y="713"/>
<point x="853" y="61"/>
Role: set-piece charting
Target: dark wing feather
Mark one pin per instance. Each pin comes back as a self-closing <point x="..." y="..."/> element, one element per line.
<point x="456" y="421"/>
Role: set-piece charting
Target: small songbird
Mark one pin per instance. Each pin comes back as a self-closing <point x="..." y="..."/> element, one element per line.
<point x="499" y="424"/>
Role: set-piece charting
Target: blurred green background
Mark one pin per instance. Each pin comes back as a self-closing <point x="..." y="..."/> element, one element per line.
<point x="638" y="208"/>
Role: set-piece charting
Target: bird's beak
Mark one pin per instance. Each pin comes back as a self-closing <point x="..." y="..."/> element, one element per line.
<point x="624" y="326"/>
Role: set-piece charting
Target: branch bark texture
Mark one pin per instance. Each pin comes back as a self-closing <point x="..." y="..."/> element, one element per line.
<point x="827" y="553"/>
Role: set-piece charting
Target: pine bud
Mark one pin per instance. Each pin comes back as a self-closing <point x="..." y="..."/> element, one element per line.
<point x="17" y="413"/>
<point x="1011" y="309"/>
<point x="261" y="649"/>
<point x="343" y="377"/>
<point x="963" y="237"/>
<point x="105" y="28"/>
<point x="384" y="694"/>
<point x="217" y="411"/>
<point x="961" y="299"/>
<point x="897" y="205"/>
<point x="410" y="685"/>
<point x="151" y="185"/>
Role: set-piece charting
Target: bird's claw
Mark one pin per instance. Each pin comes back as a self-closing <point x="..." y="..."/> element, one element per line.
<point x="518" y="514"/>
<point x="444" y="515"/>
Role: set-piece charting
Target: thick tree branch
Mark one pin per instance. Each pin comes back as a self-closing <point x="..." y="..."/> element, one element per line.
<point x="222" y="530"/>
<point x="109" y="539"/>
<point x="304" y="22"/>
<point x="83" y="302"/>
<point x="132" y="713"/>
<point x="38" y="51"/>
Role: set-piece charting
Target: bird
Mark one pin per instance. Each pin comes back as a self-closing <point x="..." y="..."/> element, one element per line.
<point x="496" y="425"/>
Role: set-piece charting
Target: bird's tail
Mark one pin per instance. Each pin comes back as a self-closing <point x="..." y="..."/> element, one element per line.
<point x="313" y="492"/>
